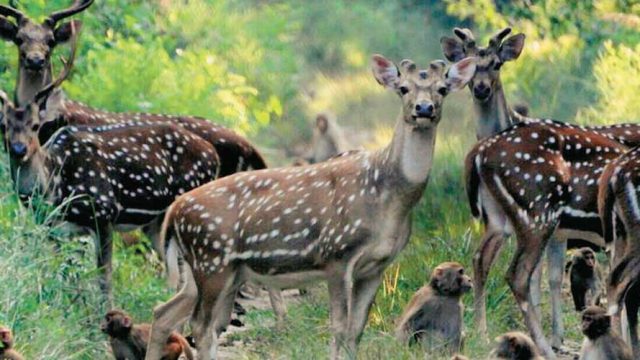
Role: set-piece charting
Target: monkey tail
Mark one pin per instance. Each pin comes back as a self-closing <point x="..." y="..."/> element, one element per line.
<point x="606" y="201"/>
<point x="472" y="182"/>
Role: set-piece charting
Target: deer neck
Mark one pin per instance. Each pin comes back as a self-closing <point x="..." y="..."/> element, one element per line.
<point x="29" y="83"/>
<point x="411" y="153"/>
<point x="493" y="114"/>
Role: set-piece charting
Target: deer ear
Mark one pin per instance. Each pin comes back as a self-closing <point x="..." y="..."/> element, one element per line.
<point x="460" y="74"/>
<point x="64" y="32"/>
<point x="8" y="30"/>
<point x="452" y="49"/>
<point x="511" y="48"/>
<point x="5" y="335"/>
<point x="385" y="72"/>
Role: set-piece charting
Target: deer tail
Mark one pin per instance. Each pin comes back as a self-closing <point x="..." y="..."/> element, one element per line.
<point x="168" y="243"/>
<point x="472" y="182"/>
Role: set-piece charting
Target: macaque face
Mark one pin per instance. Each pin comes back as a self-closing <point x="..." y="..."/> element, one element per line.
<point x="449" y="279"/>
<point x="116" y="323"/>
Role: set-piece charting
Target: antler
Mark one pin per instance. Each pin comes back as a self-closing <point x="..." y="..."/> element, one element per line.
<point x="77" y="7"/>
<point x="11" y="11"/>
<point x="468" y="40"/>
<point x="64" y="74"/>
<point x="496" y="39"/>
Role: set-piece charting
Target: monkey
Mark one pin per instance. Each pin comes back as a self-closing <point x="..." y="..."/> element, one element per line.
<point x="600" y="342"/>
<point x="328" y="140"/>
<point x="129" y="341"/>
<point x="585" y="278"/>
<point x="6" y="351"/>
<point x="434" y="314"/>
<point x="515" y="345"/>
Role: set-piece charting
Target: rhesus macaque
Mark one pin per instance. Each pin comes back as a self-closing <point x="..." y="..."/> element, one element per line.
<point x="586" y="284"/>
<point x="515" y="345"/>
<point x="600" y="342"/>
<point x="6" y="351"/>
<point x="328" y="140"/>
<point x="434" y="314"/>
<point x="129" y="341"/>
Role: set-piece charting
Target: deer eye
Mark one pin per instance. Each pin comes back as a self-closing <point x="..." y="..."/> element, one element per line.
<point x="35" y="127"/>
<point x="497" y="66"/>
<point x="443" y="90"/>
<point x="404" y="90"/>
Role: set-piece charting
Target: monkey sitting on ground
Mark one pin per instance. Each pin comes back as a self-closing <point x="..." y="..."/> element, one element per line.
<point x="515" y="345"/>
<point x="6" y="351"/>
<point x="600" y="342"/>
<point x="328" y="139"/>
<point x="586" y="284"/>
<point x="129" y="341"/>
<point x="434" y="314"/>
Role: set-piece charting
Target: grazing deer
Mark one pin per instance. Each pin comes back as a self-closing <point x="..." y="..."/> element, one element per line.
<point x="35" y="44"/>
<point x="108" y="177"/>
<point x="494" y="116"/>
<point x="620" y="213"/>
<point x="535" y="179"/>
<point x="343" y="221"/>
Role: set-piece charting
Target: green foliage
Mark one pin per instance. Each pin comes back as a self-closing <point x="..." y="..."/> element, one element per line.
<point x="616" y="71"/>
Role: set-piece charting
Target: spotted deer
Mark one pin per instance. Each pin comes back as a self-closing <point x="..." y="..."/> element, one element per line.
<point x="535" y="180"/>
<point x="620" y="213"/>
<point x="36" y="42"/>
<point x="119" y="176"/>
<point x="493" y="116"/>
<point x="343" y="220"/>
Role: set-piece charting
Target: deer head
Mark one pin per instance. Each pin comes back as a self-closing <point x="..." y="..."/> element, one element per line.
<point x="489" y="59"/>
<point x="22" y="124"/>
<point x="422" y="91"/>
<point x="36" y="41"/>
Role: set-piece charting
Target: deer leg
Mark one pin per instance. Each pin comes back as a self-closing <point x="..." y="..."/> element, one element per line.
<point x="215" y="311"/>
<point x="173" y="313"/>
<point x="535" y="292"/>
<point x="528" y="255"/>
<point x="364" y="293"/>
<point x="104" y="255"/>
<point x="338" y="303"/>
<point x="632" y="303"/>
<point x="482" y="262"/>
<point x="556" y="251"/>
<point x="278" y="305"/>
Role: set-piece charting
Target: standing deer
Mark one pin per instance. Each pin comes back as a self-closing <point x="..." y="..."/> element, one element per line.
<point x="35" y="44"/>
<point x="494" y="116"/>
<point x="343" y="221"/>
<point x="108" y="177"/>
<point x="536" y="179"/>
<point x="620" y="214"/>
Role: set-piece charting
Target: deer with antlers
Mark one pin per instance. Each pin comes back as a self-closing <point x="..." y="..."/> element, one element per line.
<point x="36" y="42"/>
<point x="108" y="177"/>
<point x="494" y="116"/>
<point x="343" y="221"/>
<point x="619" y="188"/>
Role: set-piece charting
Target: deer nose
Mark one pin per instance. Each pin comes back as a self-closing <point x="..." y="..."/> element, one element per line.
<point x="424" y="109"/>
<point x="35" y="62"/>
<point x="481" y="91"/>
<point x="18" y="149"/>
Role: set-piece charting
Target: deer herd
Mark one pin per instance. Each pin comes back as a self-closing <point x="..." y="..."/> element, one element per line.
<point x="219" y="218"/>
